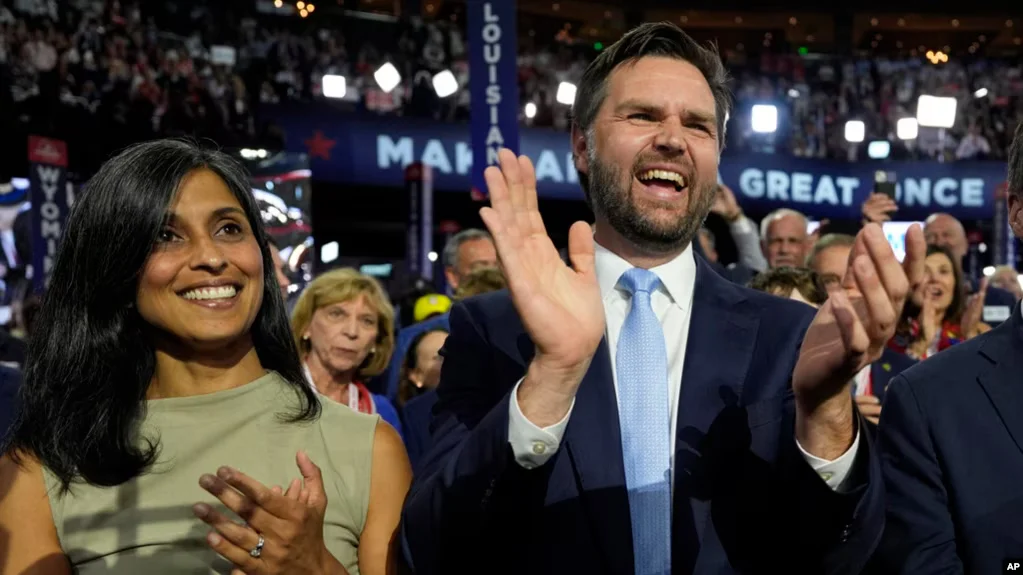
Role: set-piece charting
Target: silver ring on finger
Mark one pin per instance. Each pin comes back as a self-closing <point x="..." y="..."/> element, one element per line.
<point x="257" y="551"/>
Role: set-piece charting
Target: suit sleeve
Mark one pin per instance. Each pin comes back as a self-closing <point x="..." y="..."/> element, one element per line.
<point x="919" y="534"/>
<point x="778" y="514"/>
<point x="469" y="477"/>
<point x="841" y="527"/>
<point x="835" y="527"/>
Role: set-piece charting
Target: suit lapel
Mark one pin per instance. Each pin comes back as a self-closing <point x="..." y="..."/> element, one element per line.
<point x="719" y="348"/>
<point x="593" y="439"/>
<point x="593" y="444"/>
<point x="1004" y="348"/>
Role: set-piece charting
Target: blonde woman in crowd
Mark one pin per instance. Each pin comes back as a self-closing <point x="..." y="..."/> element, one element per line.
<point x="343" y="325"/>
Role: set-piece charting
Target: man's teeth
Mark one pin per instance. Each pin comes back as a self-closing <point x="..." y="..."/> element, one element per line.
<point x="665" y="175"/>
<point x="220" y="292"/>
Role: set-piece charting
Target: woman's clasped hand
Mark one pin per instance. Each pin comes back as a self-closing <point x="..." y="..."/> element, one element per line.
<point x="283" y="529"/>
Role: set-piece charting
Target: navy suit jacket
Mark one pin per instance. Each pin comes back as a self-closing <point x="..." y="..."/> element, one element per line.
<point x="882" y="371"/>
<point x="744" y="498"/>
<point x="951" y="447"/>
<point x="417" y="414"/>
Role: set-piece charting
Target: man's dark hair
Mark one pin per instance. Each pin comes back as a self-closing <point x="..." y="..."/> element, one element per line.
<point x="661" y="39"/>
<point x="1016" y="162"/>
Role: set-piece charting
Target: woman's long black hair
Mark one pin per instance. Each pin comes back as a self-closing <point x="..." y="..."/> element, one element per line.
<point x="90" y="361"/>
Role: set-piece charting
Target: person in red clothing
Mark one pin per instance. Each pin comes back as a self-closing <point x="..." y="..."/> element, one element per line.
<point x="940" y="314"/>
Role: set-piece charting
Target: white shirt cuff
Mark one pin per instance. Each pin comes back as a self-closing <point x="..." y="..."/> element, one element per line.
<point x="834" y="472"/>
<point x="532" y="445"/>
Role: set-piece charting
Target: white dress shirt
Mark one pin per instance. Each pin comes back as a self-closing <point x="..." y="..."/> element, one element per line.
<point x="673" y="304"/>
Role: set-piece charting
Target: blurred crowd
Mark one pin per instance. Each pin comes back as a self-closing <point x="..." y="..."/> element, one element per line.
<point x="103" y="74"/>
<point x="112" y="72"/>
<point x="816" y="97"/>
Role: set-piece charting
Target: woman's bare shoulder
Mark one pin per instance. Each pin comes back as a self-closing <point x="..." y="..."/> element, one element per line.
<point x="26" y="520"/>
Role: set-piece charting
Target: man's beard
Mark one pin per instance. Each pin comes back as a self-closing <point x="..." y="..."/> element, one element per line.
<point x="618" y="207"/>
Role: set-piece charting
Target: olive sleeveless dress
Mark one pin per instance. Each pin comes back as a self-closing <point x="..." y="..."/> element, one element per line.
<point x="146" y="526"/>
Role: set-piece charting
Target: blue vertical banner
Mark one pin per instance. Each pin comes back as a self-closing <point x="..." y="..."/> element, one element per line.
<point x="493" y="82"/>
<point x="419" y="230"/>
<point x="1004" y="240"/>
<point x="51" y="201"/>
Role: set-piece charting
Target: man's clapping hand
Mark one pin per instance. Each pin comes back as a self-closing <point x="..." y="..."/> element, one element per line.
<point x="560" y="305"/>
<point x="849" y="332"/>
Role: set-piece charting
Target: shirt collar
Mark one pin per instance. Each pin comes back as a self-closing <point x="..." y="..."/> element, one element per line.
<point x="678" y="276"/>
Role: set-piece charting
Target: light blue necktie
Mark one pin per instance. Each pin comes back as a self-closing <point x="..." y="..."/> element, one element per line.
<point x="644" y="414"/>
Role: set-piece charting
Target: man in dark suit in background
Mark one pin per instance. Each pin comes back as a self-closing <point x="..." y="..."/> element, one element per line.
<point x="884" y="370"/>
<point x="636" y="413"/>
<point x="871" y="383"/>
<point x="950" y="443"/>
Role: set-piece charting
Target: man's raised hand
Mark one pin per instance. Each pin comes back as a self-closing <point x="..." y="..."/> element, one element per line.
<point x="560" y="305"/>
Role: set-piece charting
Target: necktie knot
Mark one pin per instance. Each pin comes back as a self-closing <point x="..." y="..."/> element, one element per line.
<point x="639" y="280"/>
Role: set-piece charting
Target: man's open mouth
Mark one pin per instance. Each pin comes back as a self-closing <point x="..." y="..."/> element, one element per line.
<point x="663" y="178"/>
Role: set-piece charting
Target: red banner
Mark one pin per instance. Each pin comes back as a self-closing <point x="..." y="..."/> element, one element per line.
<point x="46" y="151"/>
